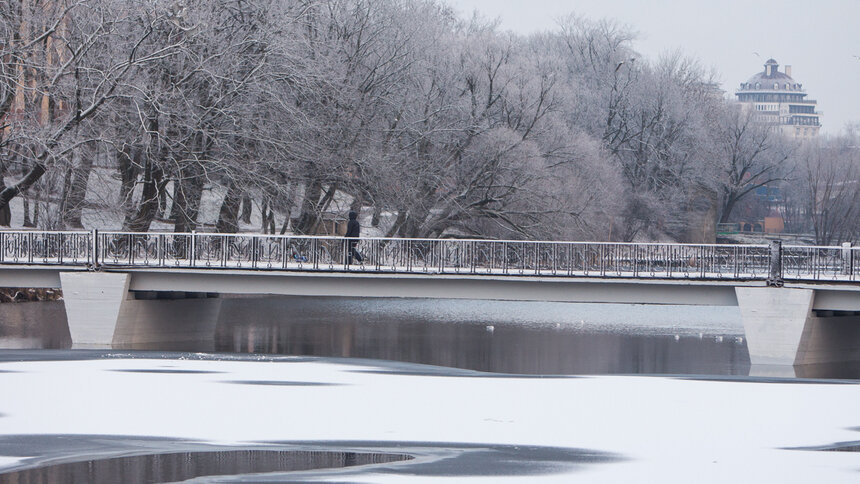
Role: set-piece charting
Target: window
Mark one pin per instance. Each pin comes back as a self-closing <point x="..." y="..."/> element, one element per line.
<point x="776" y="85"/>
<point x="758" y="85"/>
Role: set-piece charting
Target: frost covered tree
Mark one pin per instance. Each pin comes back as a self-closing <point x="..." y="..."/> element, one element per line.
<point x="292" y="109"/>
<point x="63" y="62"/>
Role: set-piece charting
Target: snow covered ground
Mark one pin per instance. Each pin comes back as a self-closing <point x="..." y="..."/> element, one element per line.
<point x="587" y="429"/>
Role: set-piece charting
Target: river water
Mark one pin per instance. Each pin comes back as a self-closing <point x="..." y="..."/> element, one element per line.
<point x="495" y="336"/>
<point x="492" y="336"/>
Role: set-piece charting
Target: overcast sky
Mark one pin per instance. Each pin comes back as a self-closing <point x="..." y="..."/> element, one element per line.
<point x="818" y="38"/>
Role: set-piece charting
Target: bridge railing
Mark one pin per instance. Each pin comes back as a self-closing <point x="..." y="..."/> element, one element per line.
<point x="452" y="256"/>
<point x="821" y="263"/>
<point x="446" y="256"/>
<point x="46" y="247"/>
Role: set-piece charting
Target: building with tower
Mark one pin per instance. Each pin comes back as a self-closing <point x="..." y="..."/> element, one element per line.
<point x="780" y="101"/>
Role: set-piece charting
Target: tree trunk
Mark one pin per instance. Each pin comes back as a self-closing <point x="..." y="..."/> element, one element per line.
<point x="186" y="200"/>
<point x="728" y="206"/>
<point x="35" y="213"/>
<point x="145" y="214"/>
<point x="247" y="205"/>
<point x="140" y="220"/>
<point x="309" y="217"/>
<point x="29" y="179"/>
<point x="27" y="221"/>
<point x="228" y="216"/>
<point x="268" y="212"/>
<point x="188" y="189"/>
<point x="128" y="175"/>
<point x="62" y="205"/>
<point x="287" y="208"/>
<point x="377" y="212"/>
<point x="399" y="222"/>
<point x="5" y="212"/>
<point x="79" y="191"/>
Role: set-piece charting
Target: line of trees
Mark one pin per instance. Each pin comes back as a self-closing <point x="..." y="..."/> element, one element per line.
<point x="438" y="125"/>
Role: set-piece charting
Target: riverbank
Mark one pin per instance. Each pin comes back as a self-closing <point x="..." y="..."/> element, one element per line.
<point x="29" y="294"/>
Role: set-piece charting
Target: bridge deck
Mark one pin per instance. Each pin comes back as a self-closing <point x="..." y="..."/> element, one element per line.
<point x="830" y="296"/>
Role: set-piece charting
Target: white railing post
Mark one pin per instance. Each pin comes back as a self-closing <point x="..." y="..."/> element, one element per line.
<point x="441" y="256"/>
<point x="846" y="258"/>
<point x="255" y="248"/>
<point x="162" y="250"/>
<point x="94" y="246"/>
<point x="192" y="261"/>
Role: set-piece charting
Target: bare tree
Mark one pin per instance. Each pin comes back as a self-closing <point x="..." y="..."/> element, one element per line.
<point x="74" y="60"/>
<point x="750" y="156"/>
<point x="829" y="180"/>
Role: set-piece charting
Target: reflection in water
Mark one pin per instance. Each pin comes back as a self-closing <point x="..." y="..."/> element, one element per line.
<point x="34" y="325"/>
<point x="505" y="350"/>
<point x="495" y="336"/>
<point x="181" y="466"/>
<point x="529" y="338"/>
<point x="121" y="459"/>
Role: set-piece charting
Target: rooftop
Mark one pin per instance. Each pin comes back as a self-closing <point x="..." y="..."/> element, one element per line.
<point x="771" y="79"/>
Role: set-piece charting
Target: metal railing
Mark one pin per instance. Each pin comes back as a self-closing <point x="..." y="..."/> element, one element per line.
<point x="46" y="247"/>
<point x="432" y="256"/>
<point x="241" y="251"/>
<point x="833" y="263"/>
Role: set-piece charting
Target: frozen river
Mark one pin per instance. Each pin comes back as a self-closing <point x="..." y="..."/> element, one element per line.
<point x="437" y="391"/>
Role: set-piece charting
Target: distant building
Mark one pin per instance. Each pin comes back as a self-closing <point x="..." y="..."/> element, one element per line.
<point x="779" y="101"/>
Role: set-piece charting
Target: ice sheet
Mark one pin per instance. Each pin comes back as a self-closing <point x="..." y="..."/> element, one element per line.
<point x="675" y="430"/>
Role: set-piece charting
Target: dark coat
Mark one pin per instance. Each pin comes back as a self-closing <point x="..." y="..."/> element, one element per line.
<point x="353" y="229"/>
<point x="5" y="216"/>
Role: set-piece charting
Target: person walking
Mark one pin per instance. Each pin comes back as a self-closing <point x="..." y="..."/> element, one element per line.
<point x="5" y="216"/>
<point x="353" y="230"/>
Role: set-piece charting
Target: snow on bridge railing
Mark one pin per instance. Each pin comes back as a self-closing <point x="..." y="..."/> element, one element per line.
<point x="46" y="247"/>
<point x="431" y="256"/>
<point x="821" y="263"/>
<point x="449" y="256"/>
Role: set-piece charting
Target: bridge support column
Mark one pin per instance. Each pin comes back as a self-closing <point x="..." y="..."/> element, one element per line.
<point x="103" y="314"/>
<point x="93" y="303"/>
<point x="782" y="329"/>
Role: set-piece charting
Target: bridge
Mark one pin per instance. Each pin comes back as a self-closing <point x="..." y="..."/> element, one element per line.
<point x="799" y="304"/>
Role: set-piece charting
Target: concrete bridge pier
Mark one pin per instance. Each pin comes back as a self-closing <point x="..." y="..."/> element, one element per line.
<point x="102" y="313"/>
<point x="783" y="329"/>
